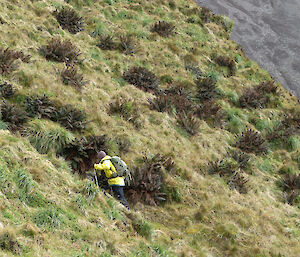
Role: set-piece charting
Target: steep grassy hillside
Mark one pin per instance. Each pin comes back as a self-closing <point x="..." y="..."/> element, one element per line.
<point x="212" y="141"/>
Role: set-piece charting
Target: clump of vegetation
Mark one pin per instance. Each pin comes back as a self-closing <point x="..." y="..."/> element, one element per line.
<point x="227" y="166"/>
<point x="165" y="161"/>
<point x="210" y="111"/>
<point x="46" y="136"/>
<point x="69" y="20"/>
<point x="90" y="190"/>
<point x="291" y="182"/>
<point x="71" y="76"/>
<point x="7" y="90"/>
<point x="40" y="106"/>
<point x="49" y="218"/>
<point x="70" y="118"/>
<point x="188" y="122"/>
<point x="193" y="68"/>
<point x="143" y="228"/>
<point x="180" y="99"/>
<point x="259" y="96"/>
<point x="106" y="42"/>
<point x="163" y="28"/>
<point x="128" y="109"/>
<point x="13" y="115"/>
<point x="8" y="60"/>
<point x="293" y="119"/>
<point x="238" y="182"/>
<point x="253" y="98"/>
<point x="173" y="100"/>
<point x="227" y="62"/>
<point x="123" y="144"/>
<point x="281" y="132"/>
<point x="24" y="181"/>
<point x="207" y="88"/>
<point x="160" y="103"/>
<point x="206" y="14"/>
<point x="82" y="152"/>
<point x="284" y="129"/>
<point x="8" y="241"/>
<point x="61" y="51"/>
<point x="225" y="22"/>
<point x="234" y="161"/>
<point x="141" y="78"/>
<point x="128" y="44"/>
<point x="268" y="87"/>
<point x="172" y="4"/>
<point x="251" y="141"/>
<point x="172" y="103"/>
<point x="166" y="79"/>
<point x="291" y="185"/>
<point x="147" y="183"/>
<point x="242" y="159"/>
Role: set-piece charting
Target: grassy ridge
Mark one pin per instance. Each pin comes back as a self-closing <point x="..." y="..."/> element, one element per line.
<point x="48" y="211"/>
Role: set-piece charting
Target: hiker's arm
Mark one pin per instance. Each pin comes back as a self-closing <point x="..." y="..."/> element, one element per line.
<point x="98" y="166"/>
<point x="102" y="166"/>
<point x="106" y="166"/>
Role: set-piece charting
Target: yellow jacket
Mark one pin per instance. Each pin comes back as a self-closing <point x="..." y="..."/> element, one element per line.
<point x="107" y="166"/>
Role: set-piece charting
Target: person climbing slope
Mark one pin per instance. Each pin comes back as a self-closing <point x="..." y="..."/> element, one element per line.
<point x="115" y="176"/>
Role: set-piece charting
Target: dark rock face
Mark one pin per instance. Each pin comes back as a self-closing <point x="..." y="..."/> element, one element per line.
<point x="269" y="32"/>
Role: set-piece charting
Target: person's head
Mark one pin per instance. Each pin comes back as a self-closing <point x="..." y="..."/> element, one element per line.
<point x="101" y="155"/>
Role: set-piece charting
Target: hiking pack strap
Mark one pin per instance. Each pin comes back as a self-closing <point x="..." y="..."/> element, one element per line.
<point x="114" y="174"/>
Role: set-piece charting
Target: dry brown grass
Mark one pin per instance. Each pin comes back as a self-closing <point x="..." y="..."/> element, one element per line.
<point x="249" y="218"/>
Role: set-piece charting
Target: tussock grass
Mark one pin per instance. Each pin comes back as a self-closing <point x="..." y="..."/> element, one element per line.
<point x="47" y="136"/>
<point x="90" y="190"/>
<point x="60" y="51"/>
<point x="8" y="240"/>
<point x="72" y="76"/>
<point x="70" y="118"/>
<point x="127" y="107"/>
<point x="128" y="44"/>
<point x="49" y="218"/>
<point x="24" y="181"/>
<point x="189" y="122"/>
<point x="69" y="20"/>
<point x="233" y="223"/>
<point x="207" y="88"/>
<point x="141" y="78"/>
<point x="7" y="90"/>
<point x="82" y="152"/>
<point x="251" y="141"/>
<point x="107" y="42"/>
<point x="40" y="106"/>
<point x="14" y="116"/>
<point x="163" y="28"/>
<point x="8" y="60"/>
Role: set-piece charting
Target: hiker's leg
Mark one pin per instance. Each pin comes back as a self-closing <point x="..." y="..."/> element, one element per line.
<point x="123" y="199"/>
<point x="119" y="194"/>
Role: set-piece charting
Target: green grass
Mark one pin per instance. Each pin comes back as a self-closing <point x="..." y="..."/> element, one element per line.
<point x="24" y="181"/>
<point x="144" y="228"/>
<point x="50" y="218"/>
<point x="47" y="136"/>
<point x="293" y="144"/>
<point x="235" y="120"/>
<point x="58" y="213"/>
<point x="89" y="190"/>
<point x="267" y="166"/>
